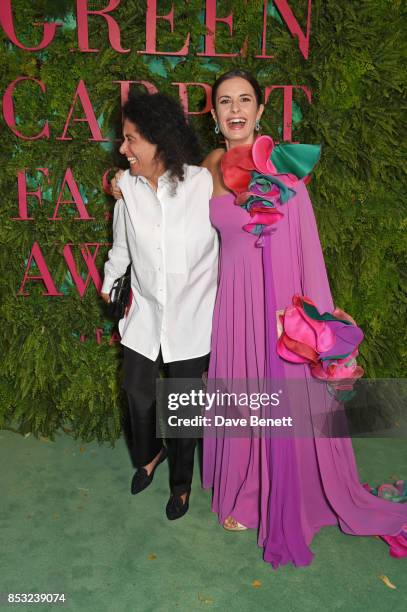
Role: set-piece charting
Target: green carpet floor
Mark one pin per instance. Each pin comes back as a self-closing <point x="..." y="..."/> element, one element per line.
<point x="69" y="524"/>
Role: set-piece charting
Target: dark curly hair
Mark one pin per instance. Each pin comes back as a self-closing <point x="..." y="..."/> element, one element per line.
<point x="160" y="119"/>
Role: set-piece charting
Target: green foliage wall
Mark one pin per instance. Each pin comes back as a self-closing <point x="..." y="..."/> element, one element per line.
<point x="356" y="74"/>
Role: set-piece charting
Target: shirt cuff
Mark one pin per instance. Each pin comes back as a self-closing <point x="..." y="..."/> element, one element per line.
<point x="108" y="282"/>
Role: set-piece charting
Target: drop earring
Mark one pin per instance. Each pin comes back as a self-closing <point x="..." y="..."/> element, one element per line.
<point x="257" y="126"/>
<point x="217" y="130"/>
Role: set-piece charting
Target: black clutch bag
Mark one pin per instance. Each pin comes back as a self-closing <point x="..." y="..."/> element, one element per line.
<point x="120" y="295"/>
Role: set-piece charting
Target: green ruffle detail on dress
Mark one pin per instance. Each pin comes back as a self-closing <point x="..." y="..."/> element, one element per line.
<point x="298" y="159"/>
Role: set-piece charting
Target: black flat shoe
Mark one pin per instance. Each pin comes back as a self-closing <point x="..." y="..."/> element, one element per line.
<point x="176" y="508"/>
<point x="141" y="480"/>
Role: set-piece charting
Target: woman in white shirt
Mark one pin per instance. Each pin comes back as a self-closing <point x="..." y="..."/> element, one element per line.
<point x="161" y="227"/>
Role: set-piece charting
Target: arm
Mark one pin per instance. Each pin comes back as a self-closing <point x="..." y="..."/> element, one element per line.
<point x="119" y="254"/>
<point x="314" y="279"/>
<point x="212" y="159"/>
<point x="212" y="163"/>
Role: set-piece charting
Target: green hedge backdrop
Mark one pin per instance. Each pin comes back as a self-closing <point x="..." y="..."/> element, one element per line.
<point x="356" y="74"/>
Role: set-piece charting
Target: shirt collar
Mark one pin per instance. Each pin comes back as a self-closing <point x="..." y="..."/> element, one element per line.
<point x="164" y="178"/>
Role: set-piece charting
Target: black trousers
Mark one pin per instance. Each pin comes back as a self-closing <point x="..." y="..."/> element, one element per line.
<point x="139" y="382"/>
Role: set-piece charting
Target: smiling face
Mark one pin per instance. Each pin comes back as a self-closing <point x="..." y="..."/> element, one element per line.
<point x="237" y="111"/>
<point x="141" y="154"/>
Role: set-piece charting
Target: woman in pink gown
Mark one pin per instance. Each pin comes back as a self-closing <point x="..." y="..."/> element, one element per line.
<point x="286" y="487"/>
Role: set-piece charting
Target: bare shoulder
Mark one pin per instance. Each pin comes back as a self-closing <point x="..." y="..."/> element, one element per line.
<point x="211" y="161"/>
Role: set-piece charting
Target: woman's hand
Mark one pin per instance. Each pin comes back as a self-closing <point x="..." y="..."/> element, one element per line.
<point x="115" y="190"/>
<point x="105" y="297"/>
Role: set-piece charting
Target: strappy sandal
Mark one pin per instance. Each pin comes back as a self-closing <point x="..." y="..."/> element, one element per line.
<point x="231" y="524"/>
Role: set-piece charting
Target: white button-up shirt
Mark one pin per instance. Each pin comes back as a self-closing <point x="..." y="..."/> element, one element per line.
<point x="173" y="251"/>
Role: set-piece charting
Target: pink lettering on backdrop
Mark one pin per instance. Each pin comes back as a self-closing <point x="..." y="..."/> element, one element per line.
<point x="99" y="334"/>
<point x="23" y="195"/>
<point x="69" y="181"/>
<point x="44" y="276"/>
<point x="82" y="13"/>
<point x="115" y="337"/>
<point x="9" y="112"/>
<point x="211" y="20"/>
<point x="89" y="252"/>
<point x="293" y="25"/>
<point x="90" y="118"/>
<point x="106" y="181"/>
<point x="7" y="23"/>
<point x="89" y="258"/>
<point x="264" y="54"/>
<point x="151" y="31"/>
<point x="183" y="96"/>
<point x="287" y="105"/>
<point x="125" y="88"/>
<point x="82" y="95"/>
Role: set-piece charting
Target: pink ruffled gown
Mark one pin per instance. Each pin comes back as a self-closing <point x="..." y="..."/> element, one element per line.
<point x="287" y="490"/>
